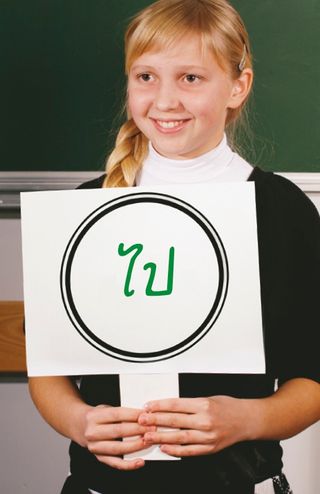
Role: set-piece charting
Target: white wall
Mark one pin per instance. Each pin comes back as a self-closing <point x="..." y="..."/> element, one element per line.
<point x="301" y="461"/>
<point x="10" y="259"/>
<point x="34" y="459"/>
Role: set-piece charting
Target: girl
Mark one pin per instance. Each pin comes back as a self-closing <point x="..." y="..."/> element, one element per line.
<point x="189" y="70"/>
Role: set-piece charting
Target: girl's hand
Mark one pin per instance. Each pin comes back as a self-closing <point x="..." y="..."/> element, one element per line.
<point x="104" y="429"/>
<point x="205" y="425"/>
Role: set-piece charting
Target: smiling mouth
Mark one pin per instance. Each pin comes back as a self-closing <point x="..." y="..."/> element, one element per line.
<point x="170" y="125"/>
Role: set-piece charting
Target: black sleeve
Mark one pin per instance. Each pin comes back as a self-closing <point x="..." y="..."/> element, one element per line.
<point x="96" y="183"/>
<point x="289" y="251"/>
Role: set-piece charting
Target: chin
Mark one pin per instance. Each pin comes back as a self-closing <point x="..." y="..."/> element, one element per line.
<point x="174" y="154"/>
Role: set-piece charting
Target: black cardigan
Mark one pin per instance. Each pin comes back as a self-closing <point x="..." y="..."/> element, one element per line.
<point x="289" y="258"/>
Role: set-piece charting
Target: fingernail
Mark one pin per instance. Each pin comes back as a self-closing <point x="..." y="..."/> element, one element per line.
<point x="146" y="406"/>
<point x="143" y="419"/>
<point x="147" y="437"/>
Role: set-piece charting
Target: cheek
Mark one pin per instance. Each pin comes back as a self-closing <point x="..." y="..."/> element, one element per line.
<point x="211" y="109"/>
<point x="212" y="103"/>
<point x="138" y="102"/>
<point x="131" y="103"/>
<point x="203" y="106"/>
<point x="206" y="111"/>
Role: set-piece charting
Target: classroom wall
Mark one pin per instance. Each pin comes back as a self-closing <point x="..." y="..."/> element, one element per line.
<point x="33" y="458"/>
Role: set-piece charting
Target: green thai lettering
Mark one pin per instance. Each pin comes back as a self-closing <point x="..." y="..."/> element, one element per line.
<point x="153" y="268"/>
<point x="150" y="292"/>
<point x="123" y="252"/>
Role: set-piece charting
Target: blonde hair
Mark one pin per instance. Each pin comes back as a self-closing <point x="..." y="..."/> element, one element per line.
<point x="159" y="26"/>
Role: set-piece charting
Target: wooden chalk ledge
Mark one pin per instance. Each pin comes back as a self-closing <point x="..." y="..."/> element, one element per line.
<point x="12" y="339"/>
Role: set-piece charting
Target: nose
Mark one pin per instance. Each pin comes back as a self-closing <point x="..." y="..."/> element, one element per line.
<point x="167" y="97"/>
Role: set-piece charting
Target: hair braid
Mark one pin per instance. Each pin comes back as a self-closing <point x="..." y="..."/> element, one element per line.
<point x="127" y="157"/>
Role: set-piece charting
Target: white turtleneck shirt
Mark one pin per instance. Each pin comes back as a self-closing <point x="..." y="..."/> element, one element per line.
<point x="220" y="164"/>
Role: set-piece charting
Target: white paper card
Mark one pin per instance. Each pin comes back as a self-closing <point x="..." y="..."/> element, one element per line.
<point x="138" y="389"/>
<point x="142" y="281"/>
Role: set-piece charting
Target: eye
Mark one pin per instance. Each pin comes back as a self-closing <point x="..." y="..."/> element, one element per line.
<point x="145" y="77"/>
<point x="192" y="78"/>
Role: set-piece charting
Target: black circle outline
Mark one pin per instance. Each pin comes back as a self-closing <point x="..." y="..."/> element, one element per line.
<point x="96" y="215"/>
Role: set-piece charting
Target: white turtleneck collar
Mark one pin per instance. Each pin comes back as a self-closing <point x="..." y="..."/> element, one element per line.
<point x="220" y="164"/>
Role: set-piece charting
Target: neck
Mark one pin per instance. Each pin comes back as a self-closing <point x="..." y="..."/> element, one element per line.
<point x="218" y="165"/>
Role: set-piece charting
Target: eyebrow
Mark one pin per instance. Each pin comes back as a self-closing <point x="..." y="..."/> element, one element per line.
<point x="185" y="68"/>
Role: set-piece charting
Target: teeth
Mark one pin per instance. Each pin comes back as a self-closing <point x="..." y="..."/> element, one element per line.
<point x="169" y="125"/>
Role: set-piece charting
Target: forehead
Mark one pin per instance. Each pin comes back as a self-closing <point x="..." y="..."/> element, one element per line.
<point x="188" y="50"/>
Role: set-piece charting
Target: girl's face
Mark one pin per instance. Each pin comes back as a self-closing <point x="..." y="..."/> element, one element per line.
<point x="179" y="98"/>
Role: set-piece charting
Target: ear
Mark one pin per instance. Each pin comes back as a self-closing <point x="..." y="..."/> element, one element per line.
<point x="241" y="88"/>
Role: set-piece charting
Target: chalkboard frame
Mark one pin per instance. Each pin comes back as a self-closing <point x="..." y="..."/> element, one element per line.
<point x="12" y="183"/>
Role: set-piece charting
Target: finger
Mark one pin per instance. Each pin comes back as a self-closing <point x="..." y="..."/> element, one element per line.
<point x="107" y="414"/>
<point x="121" y="464"/>
<point x="190" y="450"/>
<point x="181" y="405"/>
<point x="128" y="429"/>
<point x="178" y="437"/>
<point x="116" y="448"/>
<point x="167" y="419"/>
<point x="117" y="431"/>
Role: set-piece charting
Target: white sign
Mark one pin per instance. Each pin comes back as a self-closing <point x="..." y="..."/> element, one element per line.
<point x="136" y="280"/>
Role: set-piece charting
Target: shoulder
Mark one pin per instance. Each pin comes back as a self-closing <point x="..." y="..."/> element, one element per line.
<point x="282" y="198"/>
<point x="96" y="183"/>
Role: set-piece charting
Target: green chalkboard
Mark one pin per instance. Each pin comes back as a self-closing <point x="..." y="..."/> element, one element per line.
<point x="62" y="84"/>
